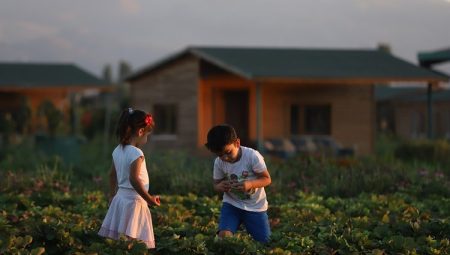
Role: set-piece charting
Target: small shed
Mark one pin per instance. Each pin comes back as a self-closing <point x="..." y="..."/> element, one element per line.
<point x="428" y="60"/>
<point x="37" y="82"/>
<point x="403" y="111"/>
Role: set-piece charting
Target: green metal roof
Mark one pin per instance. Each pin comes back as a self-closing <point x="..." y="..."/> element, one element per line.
<point x="434" y="57"/>
<point x="294" y="63"/>
<point x="387" y="93"/>
<point x="409" y="94"/>
<point x="43" y="75"/>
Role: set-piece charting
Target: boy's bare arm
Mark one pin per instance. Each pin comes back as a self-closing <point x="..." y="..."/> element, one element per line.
<point x="263" y="179"/>
<point x="222" y="185"/>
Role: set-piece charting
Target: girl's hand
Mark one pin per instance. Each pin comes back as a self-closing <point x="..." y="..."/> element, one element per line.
<point x="156" y="200"/>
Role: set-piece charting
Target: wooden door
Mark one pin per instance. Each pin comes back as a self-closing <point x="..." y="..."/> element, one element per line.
<point x="237" y="113"/>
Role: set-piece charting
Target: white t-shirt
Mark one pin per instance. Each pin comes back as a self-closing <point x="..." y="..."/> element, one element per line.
<point x="251" y="162"/>
<point x="123" y="157"/>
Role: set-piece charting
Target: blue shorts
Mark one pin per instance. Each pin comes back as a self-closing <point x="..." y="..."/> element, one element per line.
<point x="256" y="223"/>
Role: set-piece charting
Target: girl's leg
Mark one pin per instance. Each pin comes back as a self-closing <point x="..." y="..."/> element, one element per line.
<point x="257" y="225"/>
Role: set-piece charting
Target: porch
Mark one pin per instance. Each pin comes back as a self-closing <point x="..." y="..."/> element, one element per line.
<point x="343" y="112"/>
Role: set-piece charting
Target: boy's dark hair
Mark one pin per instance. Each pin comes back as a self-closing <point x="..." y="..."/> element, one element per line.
<point x="130" y="121"/>
<point x="220" y="136"/>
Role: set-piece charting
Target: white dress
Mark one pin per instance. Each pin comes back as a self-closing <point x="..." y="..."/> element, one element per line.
<point x="128" y="213"/>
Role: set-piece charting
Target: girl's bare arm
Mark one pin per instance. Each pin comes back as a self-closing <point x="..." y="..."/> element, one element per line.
<point x="137" y="184"/>
<point x="112" y="182"/>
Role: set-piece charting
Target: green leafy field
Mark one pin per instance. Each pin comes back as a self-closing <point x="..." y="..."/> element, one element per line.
<point x="47" y="218"/>
<point x="316" y="206"/>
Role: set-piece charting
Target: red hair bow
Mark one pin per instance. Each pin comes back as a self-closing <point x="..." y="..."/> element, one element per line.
<point x="148" y="120"/>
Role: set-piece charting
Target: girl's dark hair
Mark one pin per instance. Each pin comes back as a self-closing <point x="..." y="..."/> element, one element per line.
<point x="220" y="136"/>
<point x="130" y="121"/>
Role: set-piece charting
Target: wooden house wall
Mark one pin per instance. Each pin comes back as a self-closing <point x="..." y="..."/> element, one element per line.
<point x="174" y="84"/>
<point x="352" y="108"/>
<point x="352" y="111"/>
<point x="411" y="119"/>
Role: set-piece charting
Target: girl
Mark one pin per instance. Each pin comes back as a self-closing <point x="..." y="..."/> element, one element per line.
<point x="128" y="212"/>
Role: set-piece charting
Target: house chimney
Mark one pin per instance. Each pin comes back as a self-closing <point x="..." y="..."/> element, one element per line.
<point x="386" y="47"/>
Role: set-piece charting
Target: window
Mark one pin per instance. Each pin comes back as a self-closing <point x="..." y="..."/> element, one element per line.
<point x="295" y="119"/>
<point x="165" y="118"/>
<point x="317" y="119"/>
<point x="310" y="119"/>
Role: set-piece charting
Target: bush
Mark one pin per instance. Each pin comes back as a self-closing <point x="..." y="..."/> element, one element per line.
<point x="93" y="122"/>
<point x="173" y="172"/>
<point x="177" y="172"/>
<point x="432" y="152"/>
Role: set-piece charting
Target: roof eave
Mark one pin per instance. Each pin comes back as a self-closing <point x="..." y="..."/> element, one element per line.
<point x="434" y="57"/>
<point x="149" y="68"/>
<point x="354" y="80"/>
<point x="199" y="53"/>
<point x="77" y="87"/>
<point x="189" y="50"/>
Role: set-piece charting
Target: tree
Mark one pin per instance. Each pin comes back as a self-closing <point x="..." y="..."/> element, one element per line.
<point x="107" y="73"/>
<point x="123" y="90"/>
<point x="52" y="114"/>
<point x="22" y="116"/>
<point x="124" y="70"/>
<point x="7" y="126"/>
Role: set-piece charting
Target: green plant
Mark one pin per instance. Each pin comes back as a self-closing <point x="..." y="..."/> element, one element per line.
<point x="434" y="152"/>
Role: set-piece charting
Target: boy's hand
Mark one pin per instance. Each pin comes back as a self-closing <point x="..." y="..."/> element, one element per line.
<point x="242" y="186"/>
<point x="224" y="186"/>
<point x="156" y="200"/>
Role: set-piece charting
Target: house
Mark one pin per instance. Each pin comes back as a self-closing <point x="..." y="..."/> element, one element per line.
<point x="431" y="58"/>
<point x="428" y="60"/>
<point x="403" y="111"/>
<point x="37" y="82"/>
<point x="268" y="93"/>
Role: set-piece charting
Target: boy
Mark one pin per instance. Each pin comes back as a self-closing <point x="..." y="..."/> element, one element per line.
<point x="241" y="174"/>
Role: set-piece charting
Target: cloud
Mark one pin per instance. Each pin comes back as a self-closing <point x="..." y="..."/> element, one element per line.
<point x="141" y="31"/>
<point x="130" y="6"/>
<point x="35" y="29"/>
<point x="25" y="31"/>
<point x="61" y="43"/>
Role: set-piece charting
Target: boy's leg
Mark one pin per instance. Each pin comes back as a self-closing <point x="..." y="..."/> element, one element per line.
<point x="229" y="220"/>
<point x="257" y="225"/>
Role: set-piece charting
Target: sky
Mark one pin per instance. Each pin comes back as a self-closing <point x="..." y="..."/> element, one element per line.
<point x="98" y="32"/>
